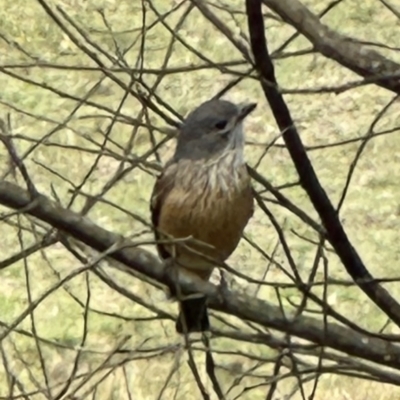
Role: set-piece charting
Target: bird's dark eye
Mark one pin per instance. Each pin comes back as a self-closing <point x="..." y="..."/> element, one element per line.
<point x="221" y="124"/>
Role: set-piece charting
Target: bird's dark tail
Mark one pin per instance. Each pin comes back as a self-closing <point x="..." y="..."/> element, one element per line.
<point x="193" y="316"/>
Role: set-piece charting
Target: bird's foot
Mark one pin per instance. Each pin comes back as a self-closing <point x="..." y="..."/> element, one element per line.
<point x="171" y="277"/>
<point x="224" y="284"/>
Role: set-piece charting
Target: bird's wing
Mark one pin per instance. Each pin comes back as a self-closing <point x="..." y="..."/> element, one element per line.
<point x="162" y="188"/>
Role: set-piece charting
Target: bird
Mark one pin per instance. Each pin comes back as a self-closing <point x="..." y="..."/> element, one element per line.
<point x="203" y="193"/>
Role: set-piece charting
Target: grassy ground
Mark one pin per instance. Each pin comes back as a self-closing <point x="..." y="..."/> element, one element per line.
<point x="66" y="155"/>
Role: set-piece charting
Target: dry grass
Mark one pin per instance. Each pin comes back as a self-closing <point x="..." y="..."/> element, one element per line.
<point x="369" y="214"/>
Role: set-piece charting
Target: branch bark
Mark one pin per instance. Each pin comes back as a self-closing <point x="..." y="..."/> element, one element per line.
<point x="308" y="178"/>
<point x="346" y="51"/>
<point x="258" y="311"/>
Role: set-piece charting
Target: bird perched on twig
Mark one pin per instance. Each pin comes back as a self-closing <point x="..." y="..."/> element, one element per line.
<point x="204" y="192"/>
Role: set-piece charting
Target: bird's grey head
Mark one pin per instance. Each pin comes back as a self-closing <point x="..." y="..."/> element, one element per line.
<point x="213" y="128"/>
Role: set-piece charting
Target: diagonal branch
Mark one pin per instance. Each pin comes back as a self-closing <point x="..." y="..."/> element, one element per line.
<point x="308" y="178"/>
<point x="344" y="50"/>
<point x="233" y="303"/>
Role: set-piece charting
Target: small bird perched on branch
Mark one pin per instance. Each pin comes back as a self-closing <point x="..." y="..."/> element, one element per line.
<point x="204" y="192"/>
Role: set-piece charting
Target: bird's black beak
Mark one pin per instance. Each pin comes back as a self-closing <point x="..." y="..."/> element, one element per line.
<point x="246" y="109"/>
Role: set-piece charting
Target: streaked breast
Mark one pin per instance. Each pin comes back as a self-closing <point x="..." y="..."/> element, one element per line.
<point x="211" y="202"/>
